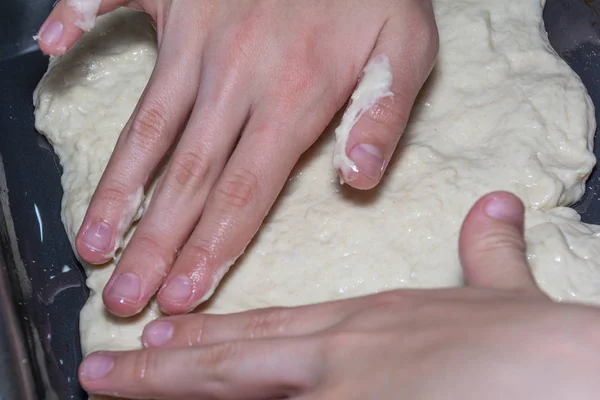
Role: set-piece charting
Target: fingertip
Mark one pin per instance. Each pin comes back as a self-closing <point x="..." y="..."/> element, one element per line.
<point x="173" y="309"/>
<point x="504" y="206"/>
<point x="95" y="243"/>
<point x="123" y="295"/>
<point x="60" y="30"/>
<point x="360" y="183"/>
<point x="157" y="333"/>
<point x="181" y="294"/>
<point x="369" y="165"/>
<point x="171" y="304"/>
<point x="56" y="36"/>
<point x="85" y="383"/>
<point x="497" y="206"/>
<point x="90" y="256"/>
<point x="118" y="308"/>
<point x="95" y="367"/>
<point x="121" y="310"/>
<point x="175" y="295"/>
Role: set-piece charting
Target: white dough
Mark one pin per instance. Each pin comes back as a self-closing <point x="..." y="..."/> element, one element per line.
<point x="501" y="111"/>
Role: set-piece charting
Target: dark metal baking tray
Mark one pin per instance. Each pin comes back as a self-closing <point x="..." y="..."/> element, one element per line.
<point x="39" y="337"/>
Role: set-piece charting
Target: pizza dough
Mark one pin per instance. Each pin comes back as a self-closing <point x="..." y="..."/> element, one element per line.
<point x="501" y="111"/>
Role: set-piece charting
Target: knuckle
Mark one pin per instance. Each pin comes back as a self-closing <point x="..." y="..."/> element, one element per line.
<point x="239" y="189"/>
<point x="423" y="28"/>
<point x="148" y="127"/>
<point x="189" y="170"/>
<point x="339" y="342"/>
<point x="298" y="80"/>
<point x="197" y="334"/>
<point x="199" y="251"/>
<point x="157" y="250"/>
<point x="298" y="86"/>
<point x="300" y="76"/>
<point x="113" y="194"/>
<point x="144" y="369"/>
<point x="220" y="356"/>
<point x="495" y="240"/>
<point x="266" y="323"/>
<point x="242" y="41"/>
<point x="390" y="113"/>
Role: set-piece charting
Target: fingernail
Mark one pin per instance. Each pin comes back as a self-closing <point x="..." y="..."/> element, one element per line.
<point x="505" y="208"/>
<point x="96" y="366"/>
<point x="98" y="237"/>
<point x="51" y="32"/>
<point x="368" y="159"/>
<point x="126" y="288"/>
<point x="178" y="289"/>
<point x="157" y="334"/>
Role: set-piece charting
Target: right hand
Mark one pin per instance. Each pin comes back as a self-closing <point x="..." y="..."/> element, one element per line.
<point x="498" y="338"/>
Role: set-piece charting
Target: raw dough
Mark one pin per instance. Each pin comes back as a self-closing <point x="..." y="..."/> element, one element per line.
<point x="500" y="112"/>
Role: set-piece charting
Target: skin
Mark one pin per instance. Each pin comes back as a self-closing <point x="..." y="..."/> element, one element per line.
<point x="497" y="338"/>
<point x="240" y="89"/>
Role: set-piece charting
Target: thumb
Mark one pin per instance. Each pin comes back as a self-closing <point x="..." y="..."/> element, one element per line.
<point x="380" y="106"/>
<point x="69" y="20"/>
<point x="492" y="245"/>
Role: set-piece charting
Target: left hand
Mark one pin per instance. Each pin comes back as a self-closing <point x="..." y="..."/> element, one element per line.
<point x="239" y="91"/>
<point x="496" y="339"/>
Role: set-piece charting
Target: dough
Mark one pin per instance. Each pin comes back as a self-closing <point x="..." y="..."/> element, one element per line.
<point x="501" y="111"/>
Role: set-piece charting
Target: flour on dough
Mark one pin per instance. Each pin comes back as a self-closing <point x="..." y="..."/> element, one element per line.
<point x="85" y="12"/>
<point x="501" y="111"/>
<point x="375" y="85"/>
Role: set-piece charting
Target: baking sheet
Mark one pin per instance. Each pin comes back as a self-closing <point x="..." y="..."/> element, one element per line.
<point x="48" y="286"/>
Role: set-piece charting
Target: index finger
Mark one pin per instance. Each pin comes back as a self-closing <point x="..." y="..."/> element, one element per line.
<point x="159" y="116"/>
<point x="233" y="370"/>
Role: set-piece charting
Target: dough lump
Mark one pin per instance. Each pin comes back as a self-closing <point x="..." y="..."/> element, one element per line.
<point x="501" y="111"/>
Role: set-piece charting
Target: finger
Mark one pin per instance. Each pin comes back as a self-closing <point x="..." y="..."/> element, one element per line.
<point x="204" y="329"/>
<point x="381" y="104"/>
<point x="492" y="245"/>
<point x="155" y="123"/>
<point x="69" y="20"/>
<point x="270" y="146"/>
<point x="220" y="110"/>
<point x="233" y="370"/>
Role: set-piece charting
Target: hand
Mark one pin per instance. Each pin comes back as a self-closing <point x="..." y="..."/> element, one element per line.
<point x="497" y="338"/>
<point x="250" y="85"/>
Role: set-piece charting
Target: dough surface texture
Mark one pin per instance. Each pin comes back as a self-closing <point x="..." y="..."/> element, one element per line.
<point x="501" y="111"/>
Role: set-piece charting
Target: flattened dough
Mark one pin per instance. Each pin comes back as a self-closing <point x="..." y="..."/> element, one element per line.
<point x="500" y="112"/>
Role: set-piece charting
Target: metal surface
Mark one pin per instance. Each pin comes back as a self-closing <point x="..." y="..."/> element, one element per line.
<point x="15" y="369"/>
<point x="48" y="287"/>
<point x="53" y="284"/>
